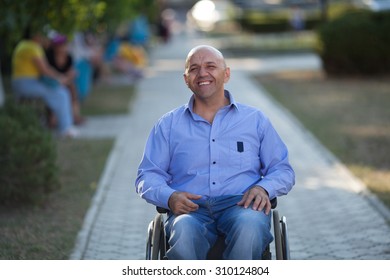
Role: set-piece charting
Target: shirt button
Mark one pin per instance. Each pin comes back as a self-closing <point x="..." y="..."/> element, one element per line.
<point x="213" y="140"/>
<point x="214" y="162"/>
<point x="213" y="183"/>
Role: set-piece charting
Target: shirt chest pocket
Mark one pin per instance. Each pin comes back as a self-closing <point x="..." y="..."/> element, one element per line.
<point x="242" y="155"/>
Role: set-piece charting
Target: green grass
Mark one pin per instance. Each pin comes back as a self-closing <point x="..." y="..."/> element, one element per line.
<point x="108" y="100"/>
<point x="350" y="116"/>
<point x="247" y="44"/>
<point x="49" y="232"/>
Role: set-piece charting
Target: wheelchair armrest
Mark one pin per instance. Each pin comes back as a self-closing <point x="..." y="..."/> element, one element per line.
<point x="274" y="203"/>
<point x="161" y="210"/>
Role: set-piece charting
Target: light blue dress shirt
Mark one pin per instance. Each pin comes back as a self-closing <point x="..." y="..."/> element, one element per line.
<point x="241" y="148"/>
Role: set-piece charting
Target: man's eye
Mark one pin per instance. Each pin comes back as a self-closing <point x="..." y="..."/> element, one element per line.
<point x="193" y="69"/>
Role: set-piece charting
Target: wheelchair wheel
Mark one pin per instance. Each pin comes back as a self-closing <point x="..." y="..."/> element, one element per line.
<point x="158" y="236"/>
<point x="277" y="235"/>
<point x="286" y="245"/>
<point x="148" y="253"/>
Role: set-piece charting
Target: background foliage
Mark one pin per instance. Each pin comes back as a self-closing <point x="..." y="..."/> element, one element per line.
<point x="28" y="170"/>
<point x="356" y="43"/>
<point x="65" y="16"/>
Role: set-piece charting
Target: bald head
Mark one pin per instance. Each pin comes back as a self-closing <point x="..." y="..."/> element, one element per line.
<point x="206" y="73"/>
<point x="206" y="48"/>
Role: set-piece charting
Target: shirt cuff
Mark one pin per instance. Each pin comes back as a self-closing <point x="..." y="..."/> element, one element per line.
<point x="268" y="188"/>
<point x="164" y="195"/>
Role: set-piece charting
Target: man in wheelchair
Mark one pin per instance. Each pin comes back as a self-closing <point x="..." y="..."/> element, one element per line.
<point x="215" y="164"/>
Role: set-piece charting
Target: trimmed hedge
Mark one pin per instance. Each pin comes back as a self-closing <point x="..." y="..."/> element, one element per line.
<point x="356" y="43"/>
<point x="28" y="170"/>
<point x="264" y="22"/>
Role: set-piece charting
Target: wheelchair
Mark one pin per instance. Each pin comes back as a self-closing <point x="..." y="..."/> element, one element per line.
<point x="157" y="242"/>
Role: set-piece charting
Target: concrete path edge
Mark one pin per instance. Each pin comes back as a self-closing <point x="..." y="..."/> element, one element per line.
<point x="97" y="200"/>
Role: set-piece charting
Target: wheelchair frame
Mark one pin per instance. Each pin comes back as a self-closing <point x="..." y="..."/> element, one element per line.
<point x="157" y="243"/>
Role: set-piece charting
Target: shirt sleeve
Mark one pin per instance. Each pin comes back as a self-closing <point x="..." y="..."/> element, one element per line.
<point x="278" y="175"/>
<point x="153" y="177"/>
<point x="36" y="51"/>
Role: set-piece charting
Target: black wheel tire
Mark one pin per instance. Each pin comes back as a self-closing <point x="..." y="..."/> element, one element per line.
<point x="286" y="245"/>
<point x="148" y="253"/>
<point x="277" y="235"/>
<point x="163" y="242"/>
<point x="156" y="236"/>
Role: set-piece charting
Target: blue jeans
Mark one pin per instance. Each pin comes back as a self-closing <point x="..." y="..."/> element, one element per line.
<point x="56" y="97"/>
<point x="247" y="232"/>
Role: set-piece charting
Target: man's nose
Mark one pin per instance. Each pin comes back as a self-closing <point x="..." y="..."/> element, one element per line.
<point x="202" y="71"/>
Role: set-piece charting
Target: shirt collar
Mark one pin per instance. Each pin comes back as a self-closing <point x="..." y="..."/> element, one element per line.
<point x="233" y="103"/>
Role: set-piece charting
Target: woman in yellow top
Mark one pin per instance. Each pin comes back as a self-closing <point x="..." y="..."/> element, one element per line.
<point x="32" y="77"/>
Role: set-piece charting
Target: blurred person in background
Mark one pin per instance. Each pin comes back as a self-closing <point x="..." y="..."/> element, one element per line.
<point x="88" y="57"/>
<point x="139" y="33"/>
<point x="297" y="18"/>
<point x="33" y="77"/>
<point x="131" y="60"/>
<point x="60" y="59"/>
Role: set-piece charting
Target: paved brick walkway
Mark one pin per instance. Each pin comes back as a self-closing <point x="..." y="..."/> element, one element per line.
<point x="329" y="216"/>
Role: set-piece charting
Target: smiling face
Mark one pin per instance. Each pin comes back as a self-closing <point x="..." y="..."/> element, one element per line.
<point x="206" y="72"/>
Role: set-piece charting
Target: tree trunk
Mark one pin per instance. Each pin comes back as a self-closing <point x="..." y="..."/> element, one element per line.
<point x="324" y="10"/>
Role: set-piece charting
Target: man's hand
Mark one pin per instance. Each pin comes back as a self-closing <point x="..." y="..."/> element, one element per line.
<point x="259" y="197"/>
<point x="180" y="202"/>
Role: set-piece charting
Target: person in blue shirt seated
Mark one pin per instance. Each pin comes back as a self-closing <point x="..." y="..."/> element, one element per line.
<point x="215" y="164"/>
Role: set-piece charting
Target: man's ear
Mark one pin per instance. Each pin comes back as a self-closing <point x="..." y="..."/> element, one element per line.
<point x="227" y="75"/>
<point x="185" y="79"/>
